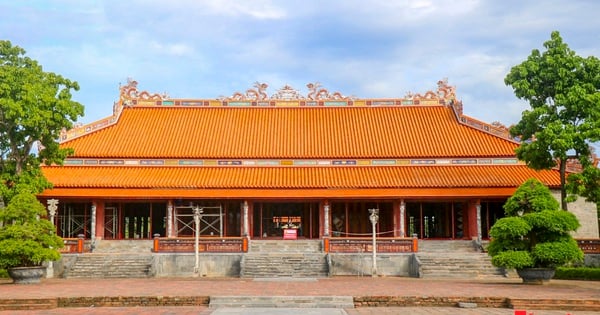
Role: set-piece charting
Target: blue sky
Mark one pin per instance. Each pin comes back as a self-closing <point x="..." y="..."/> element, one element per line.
<point x="376" y="48"/>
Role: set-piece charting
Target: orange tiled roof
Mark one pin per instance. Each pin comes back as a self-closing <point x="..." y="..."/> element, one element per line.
<point x="419" y="146"/>
<point x="309" y="132"/>
<point x="356" y="177"/>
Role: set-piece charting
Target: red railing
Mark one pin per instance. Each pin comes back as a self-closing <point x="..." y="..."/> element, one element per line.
<point x="332" y="245"/>
<point x="208" y="244"/>
<point x="589" y="246"/>
<point x="365" y="245"/>
<point x="73" y="246"/>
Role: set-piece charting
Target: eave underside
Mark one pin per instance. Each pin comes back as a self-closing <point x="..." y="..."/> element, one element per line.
<point x="283" y="194"/>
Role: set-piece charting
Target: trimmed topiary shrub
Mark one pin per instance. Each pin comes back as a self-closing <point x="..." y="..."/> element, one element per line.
<point x="535" y="233"/>
<point x="26" y="238"/>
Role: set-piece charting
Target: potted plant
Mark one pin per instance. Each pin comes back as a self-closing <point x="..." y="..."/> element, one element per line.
<point x="27" y="239"/>
<point x="534" y="237"/>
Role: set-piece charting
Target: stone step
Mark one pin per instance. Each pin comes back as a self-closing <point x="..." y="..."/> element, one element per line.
<point x="282" y="301"/>
<point x="446" y="246"/>
<point x="27" y="304"/>
<point x="555" y="304"/>
<point x="110" y="266"/>
<point x="276" y="265"/>
<point x="451" y="264"/>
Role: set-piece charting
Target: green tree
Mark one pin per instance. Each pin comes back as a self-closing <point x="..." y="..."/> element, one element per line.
<point x="34" y="107"/>
<point x="563" y="90"/>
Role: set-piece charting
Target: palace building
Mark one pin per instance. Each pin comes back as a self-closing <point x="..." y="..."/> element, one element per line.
<point x="257" y="165"/>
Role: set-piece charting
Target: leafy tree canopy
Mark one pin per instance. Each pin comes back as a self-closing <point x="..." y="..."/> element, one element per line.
<point x="34" y="107"/>
<point x="531" y="196"/>
<point x="563" y="90"/>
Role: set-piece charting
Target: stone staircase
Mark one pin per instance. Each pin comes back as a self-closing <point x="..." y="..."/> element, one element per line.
<point x="279" y="259"/>
<point x="454" y="259"/>
<point x="110" y="266"/>
<point x="114" y="259"/>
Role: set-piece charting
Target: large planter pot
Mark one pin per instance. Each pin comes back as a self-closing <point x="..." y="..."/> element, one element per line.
<point x="536" y="275"/>
<point x="26" y="275"/>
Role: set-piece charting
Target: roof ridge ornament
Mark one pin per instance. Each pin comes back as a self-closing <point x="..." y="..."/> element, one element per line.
<point x="130" y="92"/>
<point x="318" y="93"/>
<point x="256" y="94"/>
<point x="446" y="91"/>
<point x="443" y="92"/>
<point x="286" y="93"/>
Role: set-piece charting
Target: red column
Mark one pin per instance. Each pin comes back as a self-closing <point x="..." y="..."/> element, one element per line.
<point x="251" y="219"/>
<point x="396" y="217"/>
<point x="323" y="221"/>
<point x="471" y="228"/>
<point x="99" y="219"/>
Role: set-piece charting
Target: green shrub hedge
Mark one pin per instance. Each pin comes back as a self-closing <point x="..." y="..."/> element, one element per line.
<point x="577" y="273"/>
<point x="3" y="273"/>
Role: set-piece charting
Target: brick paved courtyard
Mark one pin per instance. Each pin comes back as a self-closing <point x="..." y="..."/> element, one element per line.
<point x="374" y="289"/>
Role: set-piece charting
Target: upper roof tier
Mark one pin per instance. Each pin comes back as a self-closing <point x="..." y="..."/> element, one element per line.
<point x="287" y="125"/>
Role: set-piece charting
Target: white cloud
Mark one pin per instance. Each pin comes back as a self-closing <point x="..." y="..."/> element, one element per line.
<point x="255" y="9"/>
<point x="378" y="48"/>
<point x="175" y="49"/>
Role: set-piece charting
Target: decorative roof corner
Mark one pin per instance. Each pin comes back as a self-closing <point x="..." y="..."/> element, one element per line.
<point x="129" y="96"/>
<point x="495" y="128"/>
<point x="446" y="94"/>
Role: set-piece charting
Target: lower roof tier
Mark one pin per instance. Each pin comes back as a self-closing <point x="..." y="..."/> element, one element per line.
<point x="357" y="181"/>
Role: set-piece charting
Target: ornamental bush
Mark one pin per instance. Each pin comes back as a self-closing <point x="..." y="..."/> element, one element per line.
<point x="535" y="233"/>
<point x="518" y="259"/>
<point x="577" y="273"/>
<point x="26" y="237"/>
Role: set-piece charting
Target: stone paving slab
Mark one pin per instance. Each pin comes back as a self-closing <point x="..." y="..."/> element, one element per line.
<point x="302" y="301"/>
<point x="279" y="311"/>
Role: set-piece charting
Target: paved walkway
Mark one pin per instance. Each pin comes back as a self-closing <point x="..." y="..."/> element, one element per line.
<point x="346" y="286"/>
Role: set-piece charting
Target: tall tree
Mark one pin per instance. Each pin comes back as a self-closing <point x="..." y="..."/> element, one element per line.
<point x="563" y="90"/>
<point x="34" y="107"/>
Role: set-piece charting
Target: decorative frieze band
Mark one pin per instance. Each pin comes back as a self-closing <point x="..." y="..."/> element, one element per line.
<point x="290" y="162"/>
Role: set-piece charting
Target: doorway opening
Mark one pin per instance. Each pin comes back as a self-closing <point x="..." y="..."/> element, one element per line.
<point x="436" y="220"/>
<point x="271" y="219"/>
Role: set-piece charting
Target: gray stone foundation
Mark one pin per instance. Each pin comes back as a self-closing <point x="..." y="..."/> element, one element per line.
<point x="210" y="265"/>
<point x="592" y="260"/>
<point x="362" y="264"/>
